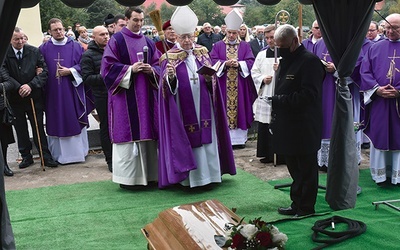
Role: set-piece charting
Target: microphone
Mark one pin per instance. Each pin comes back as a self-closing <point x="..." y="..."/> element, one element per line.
<point x="145" y="50"/>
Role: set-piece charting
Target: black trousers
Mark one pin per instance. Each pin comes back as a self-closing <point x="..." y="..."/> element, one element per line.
<point x="264" y="144"/>
<point x="21" y="127"/>
<point x="101" y="104"/>
<point x="304" y="172"/>
<point x="264" y="141"/>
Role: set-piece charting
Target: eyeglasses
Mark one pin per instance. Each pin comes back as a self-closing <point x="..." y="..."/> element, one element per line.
<point x="372" y="30"/>
<point x="317" y="28"/>
<point x="392" y="28"/>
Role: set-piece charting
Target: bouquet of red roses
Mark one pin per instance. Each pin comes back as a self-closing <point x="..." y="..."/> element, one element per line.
<point x="256" y="235"/>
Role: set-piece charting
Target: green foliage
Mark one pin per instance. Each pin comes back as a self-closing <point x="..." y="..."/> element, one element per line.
<point x="166" y="11"/>
<point x="89" y="17"/>
<point x="391" y="6"/>
<point x="100" y="9"/>
<point x="55" y="8"/>
<point x="207" y="11"/>
<point x="258" y="14"/>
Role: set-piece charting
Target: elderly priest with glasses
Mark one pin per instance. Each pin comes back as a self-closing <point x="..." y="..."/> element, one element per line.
<point x="194" y="148"/>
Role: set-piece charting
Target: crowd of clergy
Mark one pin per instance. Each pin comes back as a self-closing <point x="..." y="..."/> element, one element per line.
<point x="174" y="103"/>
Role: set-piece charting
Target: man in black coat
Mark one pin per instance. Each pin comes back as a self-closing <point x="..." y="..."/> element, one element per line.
<point x="297" y="118"/>
<point x="259" y="42"/>
<point x="208" y="38"/>
<point x="90" y="68"/>
<point x="26" y="66"/>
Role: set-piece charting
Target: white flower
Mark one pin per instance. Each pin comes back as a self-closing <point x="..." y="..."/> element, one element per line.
<point x="274" y="230"/>
<point x="248" y="231"/>
<point x="279" y="238"/>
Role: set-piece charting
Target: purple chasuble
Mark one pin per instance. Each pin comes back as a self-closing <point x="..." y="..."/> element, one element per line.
<point x="308" y="44"/>
<point x="132" y="111"/>
<point x="328" y="90"/>
<point x="177" y="135"/>
<point x="380" y="67"/>
<point x="246" y="92"/>
<point x="356" y="76"/>
<point x="65" y="104"/>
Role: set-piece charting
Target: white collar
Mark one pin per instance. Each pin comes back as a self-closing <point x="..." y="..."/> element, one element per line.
<point x="59" y="43"/>
<point x="16" y="51"/>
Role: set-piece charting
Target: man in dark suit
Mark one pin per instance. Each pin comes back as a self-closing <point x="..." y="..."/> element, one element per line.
<point x="297" y="118"/>
<point x="90" y="68"/>
<point x="259" y="42"/>
<point x="26" y="66"/>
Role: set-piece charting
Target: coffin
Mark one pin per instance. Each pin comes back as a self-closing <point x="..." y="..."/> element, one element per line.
<point x="190" y="227"/>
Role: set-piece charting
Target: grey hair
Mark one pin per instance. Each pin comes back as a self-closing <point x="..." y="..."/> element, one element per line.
<point x="285" y="32"/>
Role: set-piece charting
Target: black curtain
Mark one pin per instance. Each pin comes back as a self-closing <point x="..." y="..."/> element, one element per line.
<point x="343" y="24"/>
<point x="9" y="12"/>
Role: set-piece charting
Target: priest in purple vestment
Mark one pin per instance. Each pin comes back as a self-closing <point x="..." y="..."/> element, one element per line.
<point x="328" y="102"/>
<point x="237" y="86"/>
<point x="195" y="147"/>
<point x="380" y="83"/>
<point x="314" y="37"/>
<point x="130" y="70"/>
<point x="66" y="102"/>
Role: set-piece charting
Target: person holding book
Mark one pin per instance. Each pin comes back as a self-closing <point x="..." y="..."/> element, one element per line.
<point x="194" y="143"/>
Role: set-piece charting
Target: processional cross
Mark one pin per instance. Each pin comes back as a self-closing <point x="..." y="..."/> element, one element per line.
<point x="392" y="68"/>
<point x="58" y="60"/>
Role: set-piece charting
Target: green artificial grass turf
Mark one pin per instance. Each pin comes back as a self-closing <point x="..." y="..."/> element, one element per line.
<point x="100" y="215"/>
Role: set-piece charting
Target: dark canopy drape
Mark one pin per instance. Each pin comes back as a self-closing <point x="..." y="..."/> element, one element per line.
<point x="344" y="24"/>
<point x="9" y="12"/>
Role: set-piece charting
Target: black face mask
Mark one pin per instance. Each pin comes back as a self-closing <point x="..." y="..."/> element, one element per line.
<point x="284" y="52"/>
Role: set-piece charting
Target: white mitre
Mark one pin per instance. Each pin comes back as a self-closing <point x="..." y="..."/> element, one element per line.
<point x="184" y="20"/>
<point x="233" y="20"/>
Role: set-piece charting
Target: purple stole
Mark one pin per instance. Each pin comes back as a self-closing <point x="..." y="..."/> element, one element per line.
<point x="198" y="132"/>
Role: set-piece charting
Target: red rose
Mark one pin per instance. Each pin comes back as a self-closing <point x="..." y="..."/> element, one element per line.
<point x="238" y="241"/>
<point x="264" y="238"/>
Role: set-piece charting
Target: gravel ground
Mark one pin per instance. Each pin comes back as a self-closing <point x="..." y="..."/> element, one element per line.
<point x="95" y="169"/>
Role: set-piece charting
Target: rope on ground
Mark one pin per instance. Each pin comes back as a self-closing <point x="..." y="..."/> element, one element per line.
<point x="355" y="228"/>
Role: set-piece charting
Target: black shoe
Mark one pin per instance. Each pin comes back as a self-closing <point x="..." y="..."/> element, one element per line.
<point x="8" y="171"/>
<point x="109" y="166"/>
<point x="365" y="145"/>
<point x="287" y="211"/>
<point x="239" y="146"/>
<point x="266" y="160"/>
<point x="50" y="163"/>
<point x="26" y="162"/>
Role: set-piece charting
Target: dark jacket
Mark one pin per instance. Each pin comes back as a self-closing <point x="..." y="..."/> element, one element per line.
<point x="24" y="72"/>
<point x="255" y="46"/>
<point x="208" y="40"/>
<point x="297" y="106"/>
<point x="8" y="85"/>
<point x="90" y="69"/>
